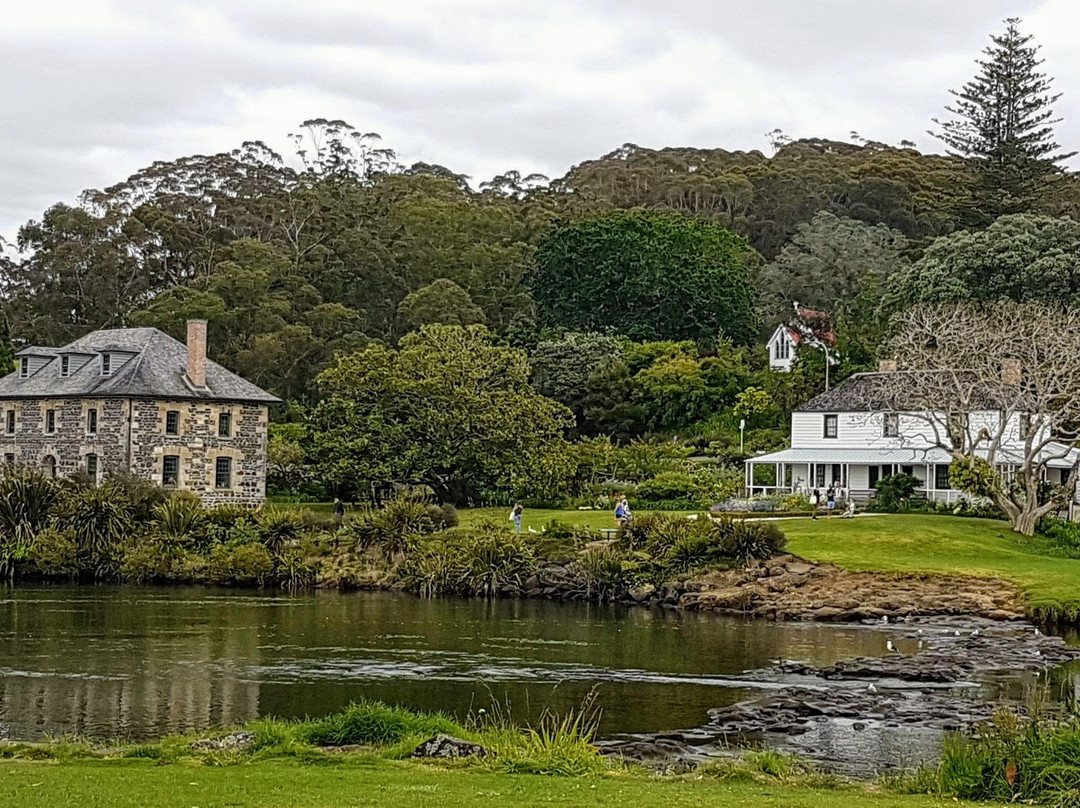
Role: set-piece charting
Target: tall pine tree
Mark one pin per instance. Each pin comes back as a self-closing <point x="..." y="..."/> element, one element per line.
<point x="1003" y="121"/>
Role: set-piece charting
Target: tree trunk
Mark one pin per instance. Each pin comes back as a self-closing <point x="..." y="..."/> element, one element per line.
<point x="1025" y="521"/>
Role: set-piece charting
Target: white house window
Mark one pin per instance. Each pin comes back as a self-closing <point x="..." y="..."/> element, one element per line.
<point x="106" y="364"/>
<point x="224" y="424"/>
<point x="172" y="422"/>
<point x="50" y="422"/>
<point x="831" y="427"/>
<point x="91" y="422"/>
<point x="783" y="347"/>
<point x="170" y="471"/>
<point x="223" y="472"/>
<point x="92" y="467"/>
<point x="1025" y="425"/>
<point x="10" y="422"/>
<point x="65" y="365"/>
<point x="24" y="367"/>
<point x="891" y="426"/>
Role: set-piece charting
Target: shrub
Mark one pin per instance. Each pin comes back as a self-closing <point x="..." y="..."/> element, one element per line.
<point x="656" y="532"/>
<point x="293" y="571"/>
<point x="443" y="517"/>
<point x="244" y="564"/>
<point x="55" y="553"/>
<point x="608" y="573"/>
<point x="895" y="491"/>
<point x="667" y="485"/>
<point x="278" y="528"/>
<point x="98" y="519"/>
<point x="151" y="557"/>
<point x="393" y="529"/>
<point x="745" y="539"/>
<point x="493" y="559"/>
<point x="143" y="496"/>
<point x="181" y="519"/>
<point x="433" y="571"/>
<point x="27" y="499"/>
<point x="1063" y="535"/>
<point x="372" y="723"/>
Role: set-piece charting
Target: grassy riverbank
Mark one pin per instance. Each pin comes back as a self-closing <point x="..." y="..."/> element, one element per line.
<point x="370" y="781"/>
<point x="918" y="543"/>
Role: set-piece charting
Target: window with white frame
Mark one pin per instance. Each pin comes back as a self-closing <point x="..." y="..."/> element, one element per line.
<point x="65" y="365"/>
<point x="106" y="364"/>
<point x="831" y="426"/>
<point x="223" y="473"/>
<point x="24" y="367"/>
<point x="891" y="425"/>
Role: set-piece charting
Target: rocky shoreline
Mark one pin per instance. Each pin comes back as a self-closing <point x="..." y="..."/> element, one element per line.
<point x="791" y="588"/>
<point x="855" y="711"/>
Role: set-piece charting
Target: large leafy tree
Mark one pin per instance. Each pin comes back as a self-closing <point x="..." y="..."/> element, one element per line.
<point x="646" y="275"/>
<point x="833" y="264"/>
<point x="1019" y="257"/>
<point x="1003" y="120"/>
<point x="448" y="409"/>
<point x="561" y="367"/>
<point x="441" y="301"/>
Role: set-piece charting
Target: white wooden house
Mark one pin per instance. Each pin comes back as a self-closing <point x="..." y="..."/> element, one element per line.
<point x="854" y="435"/>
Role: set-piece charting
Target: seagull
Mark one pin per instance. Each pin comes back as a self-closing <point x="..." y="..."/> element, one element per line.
<point x="890" y="647"/>
<point x="1037" y="632"/>
<point x="871" y="688"/>
<point x="920" y="631"/>
<point x="975" y="633"/>
<point x="884" y="618"/>
<point x="957" y="632"/>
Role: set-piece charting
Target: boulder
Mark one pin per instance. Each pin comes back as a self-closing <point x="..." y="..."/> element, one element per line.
<point x="446" y="746"/>
<point x="234" y="741"/>
<point x="643" y="592"/>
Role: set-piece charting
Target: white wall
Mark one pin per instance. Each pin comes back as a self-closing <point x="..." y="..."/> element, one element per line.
<point x="863" y="430"/>
<point x="780" y="337"/>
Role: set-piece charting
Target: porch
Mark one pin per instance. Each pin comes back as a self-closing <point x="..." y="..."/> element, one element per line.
<point x="854" y="472"/>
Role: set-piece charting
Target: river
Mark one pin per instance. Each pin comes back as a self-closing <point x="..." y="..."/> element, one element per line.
<point x="135" y="663"/>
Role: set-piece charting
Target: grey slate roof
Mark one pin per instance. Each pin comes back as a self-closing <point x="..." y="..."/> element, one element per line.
<point x="157" y="370"/>
<point x="907" y="391"/>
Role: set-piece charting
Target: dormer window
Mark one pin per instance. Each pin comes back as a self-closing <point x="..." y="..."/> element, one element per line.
<point x="65" y="365"/>
<point x="891" y="427"/>
<point x="24" y="367"/>
<point x="106" y="364"/>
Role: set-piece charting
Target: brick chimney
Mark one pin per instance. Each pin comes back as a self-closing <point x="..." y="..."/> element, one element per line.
<point x="196" y="352"/>
<point x="887" y="366"/>
<point x="1011" y="370"/>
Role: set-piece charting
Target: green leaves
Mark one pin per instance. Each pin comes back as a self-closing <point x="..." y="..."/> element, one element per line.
<point x="646" y="275"/>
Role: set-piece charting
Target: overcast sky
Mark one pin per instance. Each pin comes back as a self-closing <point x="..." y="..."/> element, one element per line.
<point x="92" y="90"/>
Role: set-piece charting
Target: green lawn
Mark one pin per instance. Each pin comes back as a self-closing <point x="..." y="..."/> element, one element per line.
<point x="536" y="518"/>
<point x="944" y="544"/>
<point x="268" y="784"/>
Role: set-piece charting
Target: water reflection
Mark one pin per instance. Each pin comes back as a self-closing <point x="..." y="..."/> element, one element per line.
<point x="135" y="663"/>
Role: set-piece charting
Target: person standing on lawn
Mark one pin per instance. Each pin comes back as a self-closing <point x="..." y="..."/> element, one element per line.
<point x="830" y="501"/>
<point x="515" y="516"/>
<point x="815" y="499"/>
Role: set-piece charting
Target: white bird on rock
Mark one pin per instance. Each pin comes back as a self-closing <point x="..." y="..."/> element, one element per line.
<point x="884" y="618"/>
<point x="872" y="688"/>
<point x="890" y="647"/>
<point x="1037" y="632"/>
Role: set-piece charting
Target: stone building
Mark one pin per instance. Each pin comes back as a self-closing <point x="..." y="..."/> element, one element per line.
<point x="135" y="400"/>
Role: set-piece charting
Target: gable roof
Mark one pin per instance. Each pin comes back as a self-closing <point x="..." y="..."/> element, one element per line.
<point x="881" y="392"/>
<point x="157" y="369"/>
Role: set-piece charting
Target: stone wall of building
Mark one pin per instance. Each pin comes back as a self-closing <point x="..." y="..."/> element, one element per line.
<point x="198" y="446"/>
<point x="131" y="436"/>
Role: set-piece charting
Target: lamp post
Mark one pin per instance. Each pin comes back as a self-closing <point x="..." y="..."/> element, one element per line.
<point x="825" y="348"/>
<point x="742" y="430"/>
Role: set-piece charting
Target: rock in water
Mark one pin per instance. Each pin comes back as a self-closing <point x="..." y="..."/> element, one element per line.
<point x="445" y="746"/>
<point x="240" y="741"/>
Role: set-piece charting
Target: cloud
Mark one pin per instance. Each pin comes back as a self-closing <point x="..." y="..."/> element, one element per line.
<point x="95" y="89"/>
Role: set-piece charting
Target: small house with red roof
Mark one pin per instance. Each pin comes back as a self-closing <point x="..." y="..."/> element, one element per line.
<point x="809" y="327"/>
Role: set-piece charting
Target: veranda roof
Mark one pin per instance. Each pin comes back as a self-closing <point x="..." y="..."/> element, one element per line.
<point x="1060" y="456"/>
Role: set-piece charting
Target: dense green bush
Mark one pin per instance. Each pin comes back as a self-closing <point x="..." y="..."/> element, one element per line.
<point x="98" y="519"/>
<point x="493" y="559"/>
<point x="668" y="485"/>
<point x="243" y="564"/>
<point x="895" y="492"/>
<point x="55" y="553"/>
